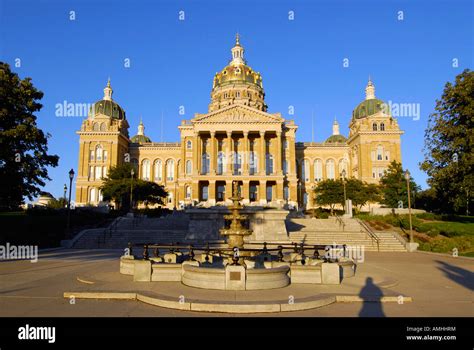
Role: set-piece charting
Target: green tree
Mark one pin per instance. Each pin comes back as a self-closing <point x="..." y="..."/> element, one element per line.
<point x="393" y="186"/>
<point x="119" y="182"/>
<point x="24" y="154"/>
<point x="59" y="203"/>
<point x="449" y="140"/>
<point x="360" y="192"/>
<point x="329" y="192"/>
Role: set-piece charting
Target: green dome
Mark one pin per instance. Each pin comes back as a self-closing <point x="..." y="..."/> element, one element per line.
<point x="108" y="108"/>
<point x="336" y="139"/>
<point x="140" y="139"/>
<point x="367" y="108"/>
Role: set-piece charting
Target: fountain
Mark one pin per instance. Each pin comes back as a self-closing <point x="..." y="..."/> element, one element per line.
<point x="236" y="232"/>
<point x="235" y="264"/>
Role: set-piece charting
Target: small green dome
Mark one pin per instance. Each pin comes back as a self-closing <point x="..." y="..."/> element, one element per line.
<point x="140" y="139"/>
<point x="109" y="108"/>
<point x="336" y="139"/>
<point x="367" y="108"/>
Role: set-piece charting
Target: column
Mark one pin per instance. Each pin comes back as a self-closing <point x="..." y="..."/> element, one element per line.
<point x="246" y="154"/>
<point x="195" y="156"/>
<point x="279" y="191"/>
<point x="183" y="159"/>
<point x="278" y="154"/>
<point x="212" y="155"/>
<point x="195" y="191"/>
<point x="246" y="192"/>
<point x="261" y="158"/>
<point x="292" y="158"/>
<point x="262" y="192"/>
<point x="228" y="156"/>
<point x="199" y="154"/>
<point x="212" y="192"/>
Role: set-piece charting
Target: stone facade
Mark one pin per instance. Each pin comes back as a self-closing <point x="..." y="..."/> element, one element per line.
<point x="237" y="140"/>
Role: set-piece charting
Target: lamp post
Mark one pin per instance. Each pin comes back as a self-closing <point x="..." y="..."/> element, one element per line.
<point x="343" y="174"/>
<point x="65" y="191"/>
<point x="407" y="177"/>
<point x="132" y="172"/>
<point x="71" y="176"/>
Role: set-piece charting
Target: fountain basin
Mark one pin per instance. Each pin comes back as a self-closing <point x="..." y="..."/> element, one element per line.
<point x="234" y="277"/>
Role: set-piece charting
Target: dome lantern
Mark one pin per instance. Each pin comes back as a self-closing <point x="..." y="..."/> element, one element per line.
<point x="370" y="90"/>
<point x="108" y="91"/>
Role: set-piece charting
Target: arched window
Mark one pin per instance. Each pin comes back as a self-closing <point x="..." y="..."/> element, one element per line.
<point x="101" y="197"/>
<point x="330" y="169"/>
<point x="96" y="127"/>
<point x="93" y="195"/>
<point x="379" y="152"/>
<point x="98" y="153"/>
<point x="91" y="155"/>
<point x="382" y="126"/>
<point x="158" y="171"/>
<point x="91" y="173"/>
<point x="98" y="172"/>
<point x="374" y="126"/>
<point x="103" y="127"/>
<point x="189" y="167"/>
<point x="269" y="164"/>
<point x="146" y="170"/>
<point x="237" y="94"/>
<point x="237" y="163"/>
<point x="305" y="170"/>
<point x="220" y="163"/>
<point x="170" y="170"/>
<point x="188" y="192"/>
<point x="189" y="144"/>
<point x="387" y="155"/>
<point x="318" y="170"/>
<point x="205" y="164"/>
<point x="253" y="164"/>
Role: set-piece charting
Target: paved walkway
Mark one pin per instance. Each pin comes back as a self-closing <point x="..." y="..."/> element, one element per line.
<point x="439" y="286"/>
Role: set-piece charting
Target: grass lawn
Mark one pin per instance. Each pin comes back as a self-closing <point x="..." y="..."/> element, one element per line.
<point x="436" y="233"/>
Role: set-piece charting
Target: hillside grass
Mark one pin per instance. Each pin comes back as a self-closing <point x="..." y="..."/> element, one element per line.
<point x="434" y="233"/>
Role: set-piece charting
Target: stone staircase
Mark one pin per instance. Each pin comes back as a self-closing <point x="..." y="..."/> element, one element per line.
<point x="347" y="231"/>
<point x="168" y="229"/>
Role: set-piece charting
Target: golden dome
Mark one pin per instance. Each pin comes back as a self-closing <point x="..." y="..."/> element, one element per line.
<point x="237" y="83"/>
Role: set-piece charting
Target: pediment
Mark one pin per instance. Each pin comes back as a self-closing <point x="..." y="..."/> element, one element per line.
<point x="238" y="114"/>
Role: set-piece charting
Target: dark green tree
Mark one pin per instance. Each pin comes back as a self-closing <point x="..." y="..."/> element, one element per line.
<point x="329" y="192"/>
<point x="361" y="193"/>
<point x="449" y="141"/>
<point x="118" y="184"/>
<point x="393" y="186"/>
<point x="24" y="154"/>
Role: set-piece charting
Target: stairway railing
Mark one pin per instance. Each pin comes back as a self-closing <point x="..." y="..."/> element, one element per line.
<point x="371" y="234"/>
<point x="340" y="222"/>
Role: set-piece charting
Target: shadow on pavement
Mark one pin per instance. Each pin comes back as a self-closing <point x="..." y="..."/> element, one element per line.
<point x="372" y="304"/>
<point x="457" y="274"/>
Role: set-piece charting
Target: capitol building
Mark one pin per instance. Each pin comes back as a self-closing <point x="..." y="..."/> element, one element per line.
<point x="238" y="139"/>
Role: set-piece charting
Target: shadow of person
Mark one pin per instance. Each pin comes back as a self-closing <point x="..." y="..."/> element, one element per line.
<point x="459" y="275"/>
<point x="372" y="304"/>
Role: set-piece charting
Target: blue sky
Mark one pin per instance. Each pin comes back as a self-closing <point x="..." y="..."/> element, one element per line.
<point x="172" y="62"/>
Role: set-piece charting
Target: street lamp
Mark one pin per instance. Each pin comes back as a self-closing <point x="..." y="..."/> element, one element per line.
<point x="65" y="191"/>
<point x="407" y="177"/>
<point x="343" y="174"/>
<point x="132" y="172"/>
<point x="71" y="176"/>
